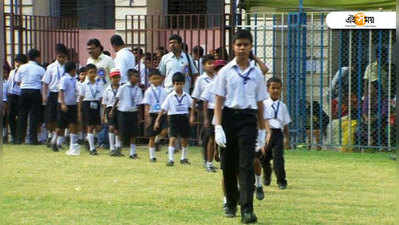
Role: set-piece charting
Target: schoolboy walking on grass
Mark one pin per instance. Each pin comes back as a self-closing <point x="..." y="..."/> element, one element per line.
<point x="128" y="100"/>
<point x="177" y="105"/>
<point x="154" y="97"/>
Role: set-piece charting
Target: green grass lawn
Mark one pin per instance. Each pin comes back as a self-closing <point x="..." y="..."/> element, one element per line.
<point x="42" y="187"/>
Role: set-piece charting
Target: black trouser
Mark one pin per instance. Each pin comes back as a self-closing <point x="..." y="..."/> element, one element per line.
<point x="30" y="102"/>
<point x="275" y="151"/>
<point x="12" y="114"/>
<point x="240" y="127"/>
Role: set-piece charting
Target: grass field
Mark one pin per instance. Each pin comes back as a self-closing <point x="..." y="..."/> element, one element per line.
<point x="42" y="187"/>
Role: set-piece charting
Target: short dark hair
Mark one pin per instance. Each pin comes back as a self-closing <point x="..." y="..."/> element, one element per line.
<point x="82" y="69"/>
<point x="131" y="72"/>
<point x="138" y="50"/>
<point x="178" y="77"/>
<point x="91" y="66"/>
<point x="116" y="40"/>
<point x="70" y="66"/>
<point x="107" y="53"/>
<point x="198" y="50"/>
<point x="274" y="80"/>
<point x="243" y="34"/>
<point x="21" y="58"/>
<point x="207" y="58"/>
<point x="176" y="37"/>
<point x="154" y="72"/>
<point x="95" y="42"/>
<point x="61" y="49"/>
<point x="33" y="54"/>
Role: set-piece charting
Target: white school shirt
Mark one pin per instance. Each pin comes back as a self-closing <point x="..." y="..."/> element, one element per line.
<point x="144" y="73"/>
<point x="276" y="113"/>
<point x="240" y="93"/>
<point x="198" y="64"/>
<point x="129" y="97"/>
<point x="175" y="105"/>
<point x="170" y="64"/>
<point x="5" y="88"/>
<point x="124" y="60"/>
<point x="30" y="75"/>
<point x="200" y="84"/>
<point x="155" y="97"/>
<point x="103" y="61"/>
<point x="55" y="71"/>
<point x="109" y="96"/>
<point x="13" y="87"/>
<point x="69" y="85"/>
<point x="91" y="91"/>
<point x="79" y="87"/>
<point x="208" y="96"/>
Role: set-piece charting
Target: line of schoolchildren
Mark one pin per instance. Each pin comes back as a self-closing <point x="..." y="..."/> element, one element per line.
<point x="238" y="116"/>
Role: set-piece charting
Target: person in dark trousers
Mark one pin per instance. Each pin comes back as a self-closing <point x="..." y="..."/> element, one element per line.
<point x="277" y="120"/>
<point x="239" y="88"/>
<point x="14" y="92"/>
<point x="29" y="77"/>
<point x="51" y="81"/>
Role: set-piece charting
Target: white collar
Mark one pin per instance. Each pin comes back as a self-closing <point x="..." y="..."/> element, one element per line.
<point x="175" y="93"/>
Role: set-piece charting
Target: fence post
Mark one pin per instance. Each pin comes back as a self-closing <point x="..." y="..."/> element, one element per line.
<point x="2" y="60"/>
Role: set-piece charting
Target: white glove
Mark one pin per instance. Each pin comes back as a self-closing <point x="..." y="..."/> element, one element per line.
<point x="220" y="136"/>
<point x="260" y="140"/>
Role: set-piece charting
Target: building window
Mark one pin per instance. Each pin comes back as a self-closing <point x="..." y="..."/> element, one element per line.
<point x="98" y="15"/>
<point x="188" y="14"/>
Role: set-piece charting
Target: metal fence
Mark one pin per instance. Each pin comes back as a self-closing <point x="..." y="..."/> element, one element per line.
<point x="23" y="32"/>
<point x="338" y="84"/>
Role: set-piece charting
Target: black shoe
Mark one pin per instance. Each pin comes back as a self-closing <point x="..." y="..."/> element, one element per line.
<point x="282" y="186"/>
<point x="170" y="163"/>
<point x="153" y="160"/>
<point x="267" y="180"/>
<point x="60" y="147"/>
<point x="260" y="195"/>
<point x="185" y="161"/>
<point x="54" y="147"/>
<point x="248" y="217"/>
<point x="113" y="153"/>
<point x="119" y="151"/>
<point x="211" y="169"/>
<point x="93" y="152"/>
<point x="134" y="156"/>
<point x="230" y="211"/>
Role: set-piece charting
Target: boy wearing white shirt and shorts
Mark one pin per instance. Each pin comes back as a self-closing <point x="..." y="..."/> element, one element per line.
<point x="90" y="98"/>
<point x="177" y="105"/>
<point x="128" y="99"/>
<point x="154" y="97"/>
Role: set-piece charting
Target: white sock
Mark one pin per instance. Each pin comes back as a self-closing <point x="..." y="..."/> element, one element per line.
<point x="54" y="138"/>
<point x="209" y="164"/>
<point x="66" y="132"/>
<point x="258" y="182"/>
<point x="50" y="135"/>
<point x="224" y="200"/>
<point x="60" y="140"/>
<point x="117" y="141"/>
<point x="74" y="140"/>
<point x="184" y="153"/>
<point x="152" y="152"/>
<point x="90" y="138"/>
<point x="111" y="137"/>
<point x="132" y="149"/>
<point x="81" y="137"/>
<point x="171" y="151"/>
